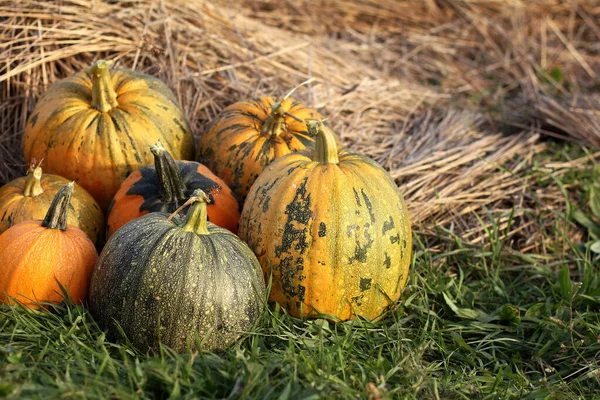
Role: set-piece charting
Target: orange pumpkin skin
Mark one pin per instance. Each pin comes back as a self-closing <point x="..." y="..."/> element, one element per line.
<point x="28" y="198"/>
<point x="34" y="258"/>
<point x="144" y="192"/>
<point x="103" y="122"/>
<point x="248" y="135"/>
<point x="335" y="235"/>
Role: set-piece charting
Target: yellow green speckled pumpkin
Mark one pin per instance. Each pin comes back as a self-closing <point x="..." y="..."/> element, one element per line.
<point x="96" y="126"/>
<point x="28" y="198"/>
<point x="248" y="135"/>
<point x="333" y="229"/>
<point x="175" y="279"/>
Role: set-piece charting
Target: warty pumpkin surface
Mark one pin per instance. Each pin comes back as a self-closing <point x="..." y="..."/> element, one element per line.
<point x="248" y="135"/>
<point x="28" y="198"/>
<point x="165" y="186"/>
<point x="332" y="228"/>
<point x="95" y="127"/>
<point x="179" y="281"/>
<point x="36" y="255"/>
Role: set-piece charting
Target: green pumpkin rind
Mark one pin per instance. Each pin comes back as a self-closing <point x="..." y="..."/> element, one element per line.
<point x="160" y="282"/>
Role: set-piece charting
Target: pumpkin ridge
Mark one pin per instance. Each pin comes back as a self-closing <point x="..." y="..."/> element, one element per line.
<point x="142" y="275"/>
<point x="265" y="104"/>
<point x="155" y="118"/>
<point x="236" y="128"/>
<point x="35" y="234"/>
<point x="80" y="118"/>
<point x="123" y="127"/>
<point x="23" y="256"/>
<point x="183" y="243"/>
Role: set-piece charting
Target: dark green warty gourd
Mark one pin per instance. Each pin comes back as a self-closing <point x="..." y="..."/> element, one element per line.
<point x="180" y="281"/>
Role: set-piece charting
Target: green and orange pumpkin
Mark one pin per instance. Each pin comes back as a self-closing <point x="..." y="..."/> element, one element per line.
<point x="177" y="280"/>
<point x="28" y="198"/>
<point x="248" y="135"/>
<point x="167" y="185"/>
<point x="38" y="257"/>
<point x="95" y="127"/>
<point x="332" y="228"/>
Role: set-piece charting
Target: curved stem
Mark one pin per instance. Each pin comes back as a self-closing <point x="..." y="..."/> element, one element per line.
<point x="196" y="219"/>
<point x="104" y="97"/>
<point x="169" y="176"/>
<point x="274" y="122"/>
<point x="326" y="149"/>
<point x="33" y="186"/>
<point x="56" y="217"/>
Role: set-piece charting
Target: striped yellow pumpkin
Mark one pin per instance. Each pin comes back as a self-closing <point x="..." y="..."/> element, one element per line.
<point x="248" y="135"/>
<point x="96" y="126"/>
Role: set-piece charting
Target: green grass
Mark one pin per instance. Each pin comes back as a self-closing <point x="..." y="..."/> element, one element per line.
<point x="475" y="322"/>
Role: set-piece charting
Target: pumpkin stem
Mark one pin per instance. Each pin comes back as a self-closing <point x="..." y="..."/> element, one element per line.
<point x="274" y="123"/>
<point x="197" y="217"/>
<point x="104" y="97"/>
<point x="326" y="151"/>
<point x="33" y="186"/>
<point x="169" y="176"/>
<point x="56" y="217"/>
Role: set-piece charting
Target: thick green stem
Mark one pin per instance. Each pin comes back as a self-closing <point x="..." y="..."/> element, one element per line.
<point x="56" y="217"/>
<point x="104" y="97"/>
<point x="169" y="176"/>
<point x="326" y="150"/>
<point x="33" y="185"/>
<point x="196" y="219"/>
<point x="274" y="123"/>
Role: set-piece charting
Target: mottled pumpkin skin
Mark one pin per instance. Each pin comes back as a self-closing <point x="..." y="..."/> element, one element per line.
<point x="100" y="149"/>
<point x="237" y="151"/>
<point x="140" y="194"/>
<point x="160" y="282"/>
<point x="84" y="211"/>
<point x="34" y="258"/>
<point x="336" y="237"/>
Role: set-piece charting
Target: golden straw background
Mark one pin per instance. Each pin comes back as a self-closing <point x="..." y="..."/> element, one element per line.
<point x="453" y="98"/>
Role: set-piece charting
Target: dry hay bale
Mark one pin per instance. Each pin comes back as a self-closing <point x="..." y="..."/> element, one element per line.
<point x="395" y="78"/>
<point x="571" y="118"/>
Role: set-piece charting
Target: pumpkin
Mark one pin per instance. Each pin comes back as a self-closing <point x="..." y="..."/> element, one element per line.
<point x="332" y="228"/>
<point x="248" y="135"/>
<point x="38" y="257"/>
<point x="28" y="198"/>
<point x="177" y="280"/>
<point x="165" y="186"/>
<point x="95" y="127"/>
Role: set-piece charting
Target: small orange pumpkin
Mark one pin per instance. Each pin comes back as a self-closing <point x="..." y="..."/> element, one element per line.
<point x="28" y="198"/>
<point x="168" y="184"/>
<point x="35" y="256"/>
<point x="248" y="135"/>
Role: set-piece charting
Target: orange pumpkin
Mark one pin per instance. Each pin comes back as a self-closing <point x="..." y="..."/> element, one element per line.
<point x="168" y="184"/>
<point x="28" y="198"/>
<point x="333" y="229"/>
<point x="35" y="256"/>
<point x="249" y="135"/>
<point x="95" y="127"/>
